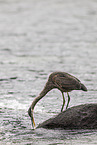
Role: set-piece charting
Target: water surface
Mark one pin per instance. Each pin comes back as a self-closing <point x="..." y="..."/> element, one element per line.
<point x="38" y="37"/>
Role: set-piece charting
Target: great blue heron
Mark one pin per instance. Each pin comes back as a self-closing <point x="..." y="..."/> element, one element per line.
<point x="62" y="81"/>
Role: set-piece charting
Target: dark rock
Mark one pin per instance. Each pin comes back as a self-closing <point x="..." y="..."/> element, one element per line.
<point x="77" y="117"/>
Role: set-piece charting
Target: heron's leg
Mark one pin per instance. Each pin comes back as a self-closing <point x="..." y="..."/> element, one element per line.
<point x="68" y="100"/>
<point x="63" y="102"/>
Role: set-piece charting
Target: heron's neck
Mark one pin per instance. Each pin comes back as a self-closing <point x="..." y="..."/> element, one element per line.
<point x="41" y="95"/>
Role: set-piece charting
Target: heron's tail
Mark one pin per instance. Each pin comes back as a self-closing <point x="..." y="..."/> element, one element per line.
<point x="83" y="87"/>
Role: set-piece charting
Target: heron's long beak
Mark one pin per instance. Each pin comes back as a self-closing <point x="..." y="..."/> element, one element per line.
<point x="32" y="120"/>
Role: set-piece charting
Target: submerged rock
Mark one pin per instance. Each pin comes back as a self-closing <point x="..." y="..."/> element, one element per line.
<point x="77" y="117"/>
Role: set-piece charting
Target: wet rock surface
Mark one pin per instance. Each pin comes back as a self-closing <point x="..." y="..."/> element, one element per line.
<point x="77" y="117"/>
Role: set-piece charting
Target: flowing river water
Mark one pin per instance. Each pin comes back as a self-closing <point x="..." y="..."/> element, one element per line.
<point x="38" y="37"/>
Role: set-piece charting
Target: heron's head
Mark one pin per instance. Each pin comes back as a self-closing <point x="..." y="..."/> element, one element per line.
<point x="30" y="112"/>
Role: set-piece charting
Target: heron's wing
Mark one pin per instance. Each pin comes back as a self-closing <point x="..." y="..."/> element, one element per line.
<point x="66" y="83"/>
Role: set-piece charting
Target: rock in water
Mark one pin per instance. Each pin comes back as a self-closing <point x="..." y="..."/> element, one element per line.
<point x="77" y="117"/>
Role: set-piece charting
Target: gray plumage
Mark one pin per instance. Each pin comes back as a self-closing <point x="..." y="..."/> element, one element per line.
<point x="65" y="82"/>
